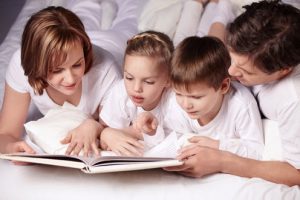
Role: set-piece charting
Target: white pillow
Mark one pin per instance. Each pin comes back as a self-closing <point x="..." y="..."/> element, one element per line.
<point x="48" y="131"/>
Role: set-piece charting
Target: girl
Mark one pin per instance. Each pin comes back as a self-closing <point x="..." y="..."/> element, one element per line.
<point x="57" y="63"/>
<point x="145" y="87"/>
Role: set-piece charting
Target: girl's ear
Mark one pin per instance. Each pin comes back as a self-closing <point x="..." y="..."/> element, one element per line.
<point x="225" y="85"/>
<point x="168" y="83"/>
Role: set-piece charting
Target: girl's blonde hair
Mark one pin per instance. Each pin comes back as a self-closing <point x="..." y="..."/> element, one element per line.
<point x="48" y="36"/>
<point x="153" y="44"/>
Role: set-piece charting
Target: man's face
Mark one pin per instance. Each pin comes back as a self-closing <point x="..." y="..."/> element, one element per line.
<point x="243" y="70"/>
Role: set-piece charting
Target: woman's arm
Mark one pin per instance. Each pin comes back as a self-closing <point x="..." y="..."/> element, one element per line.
<point x="13" y="115"/>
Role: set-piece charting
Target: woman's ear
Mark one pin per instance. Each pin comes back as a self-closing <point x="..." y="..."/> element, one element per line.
<point x="225" y="85"/>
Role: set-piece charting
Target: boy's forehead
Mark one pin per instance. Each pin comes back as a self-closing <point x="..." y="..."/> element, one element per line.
<point x="191" y="88"/>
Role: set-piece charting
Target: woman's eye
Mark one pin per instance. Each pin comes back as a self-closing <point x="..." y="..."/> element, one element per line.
<point x="77" y="65"/>
<point x="57" y="71"/>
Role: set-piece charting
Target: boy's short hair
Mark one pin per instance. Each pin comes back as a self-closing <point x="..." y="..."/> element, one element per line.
<point x="152" y="44"/>
<point x="269" y="33"/>
<point x="47" y="38"/>
<point x="200" y="60"/>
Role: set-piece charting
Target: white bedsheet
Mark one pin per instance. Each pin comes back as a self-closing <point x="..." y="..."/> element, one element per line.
<point x="45" y="182"/>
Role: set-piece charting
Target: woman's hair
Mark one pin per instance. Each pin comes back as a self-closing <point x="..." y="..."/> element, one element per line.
<point x="151" y="44"/>
<point x="269" y="33"/>
<point x="48" y="36"/>
<point x="200" y="60"/>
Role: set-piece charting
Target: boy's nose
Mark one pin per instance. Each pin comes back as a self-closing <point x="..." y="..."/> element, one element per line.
<point x="186" y="104"/>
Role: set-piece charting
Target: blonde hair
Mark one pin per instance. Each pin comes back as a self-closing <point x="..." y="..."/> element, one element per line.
<point x="153" y="44"/>
<point x="48" y="36"/>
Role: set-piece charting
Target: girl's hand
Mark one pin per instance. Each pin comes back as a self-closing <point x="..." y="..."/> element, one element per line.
<point x="84" y="137"/>
<point x="121" y="143"/>
<point x="146" y="122"/>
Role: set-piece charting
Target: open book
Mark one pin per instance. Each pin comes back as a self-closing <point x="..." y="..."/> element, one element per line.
<point x="162" y="155"/>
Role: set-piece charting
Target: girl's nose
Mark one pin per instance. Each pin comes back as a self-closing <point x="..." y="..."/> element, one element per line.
<point x="138" y="87"/>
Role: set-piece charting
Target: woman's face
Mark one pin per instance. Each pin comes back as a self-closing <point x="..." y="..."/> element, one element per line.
<point x="67" y="77"/>
<point x="145" y="80"/>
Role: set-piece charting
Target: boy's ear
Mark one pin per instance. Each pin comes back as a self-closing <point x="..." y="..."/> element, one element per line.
<point x="225" y="85"/>
<point x="286" y="71"/>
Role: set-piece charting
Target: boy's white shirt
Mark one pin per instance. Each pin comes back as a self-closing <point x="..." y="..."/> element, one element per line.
<point x="280" y="101"/>
<point x="237" y="126"/>
<point x="95" y="84"/>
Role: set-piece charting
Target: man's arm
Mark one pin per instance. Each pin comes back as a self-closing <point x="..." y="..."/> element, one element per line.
<point x="274" y="171"/>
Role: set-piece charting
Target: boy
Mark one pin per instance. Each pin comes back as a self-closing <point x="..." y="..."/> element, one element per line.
<point x="264" y="46"/>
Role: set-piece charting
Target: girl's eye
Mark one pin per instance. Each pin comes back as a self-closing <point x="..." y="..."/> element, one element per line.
<point x="128" y="78"/>
<point x="179" y="95"/>
<point x="150" y="82"/>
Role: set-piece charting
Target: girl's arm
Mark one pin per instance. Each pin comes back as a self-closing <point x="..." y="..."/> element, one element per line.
<point x="13" y="115"/>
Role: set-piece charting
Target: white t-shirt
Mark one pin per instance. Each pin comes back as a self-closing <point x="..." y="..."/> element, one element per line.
<point x="280" y="101"/>
<point x="119" y="111"/>
<point x="95" y="84"/>
<point x="237" y="126"/>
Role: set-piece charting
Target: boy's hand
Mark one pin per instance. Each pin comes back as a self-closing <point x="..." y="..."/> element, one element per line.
<point x="121" y="143"/>
<point x="84" y="137"/>
<point x="146" y="122"/>
<point x="204" y="141"/>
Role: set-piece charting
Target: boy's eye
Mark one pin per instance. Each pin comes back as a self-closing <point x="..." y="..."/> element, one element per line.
<point x="196" y="97"/>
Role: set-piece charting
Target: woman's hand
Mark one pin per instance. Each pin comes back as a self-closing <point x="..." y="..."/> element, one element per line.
<point x="121" y="143"/>
<point x="18" y="147"/>
<point x="84" y="137"/>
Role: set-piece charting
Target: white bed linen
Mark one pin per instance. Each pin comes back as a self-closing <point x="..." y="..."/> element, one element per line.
<point x="45" y="182"/>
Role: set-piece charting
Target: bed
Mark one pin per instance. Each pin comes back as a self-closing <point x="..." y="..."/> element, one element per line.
<point x="45" y="182"/>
